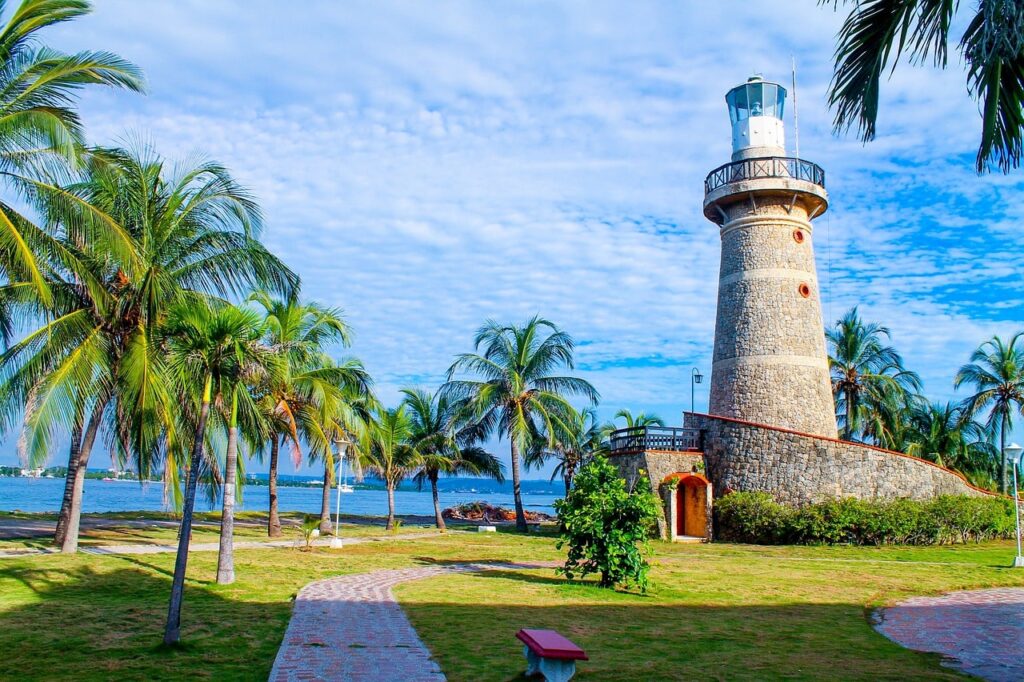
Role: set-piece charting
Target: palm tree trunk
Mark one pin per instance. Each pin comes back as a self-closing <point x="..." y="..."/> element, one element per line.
<point x="850" y="412"/>
<point x="70" y="542"/>
<point x="567" y="479"/>
<point x="274" y="522"/>
<point x="325" y="503"/>
<point x="391" y="506"/>
<point x="69" y="482"/>
<point x="438" y="519"/>
<point x="1002" y="455"/>
<point x="516" y="490"/>
<point x="225" y="554"/>
<point x="172" y="631"/>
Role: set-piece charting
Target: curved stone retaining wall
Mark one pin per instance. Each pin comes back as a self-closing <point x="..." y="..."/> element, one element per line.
<point x="798" y="468"/>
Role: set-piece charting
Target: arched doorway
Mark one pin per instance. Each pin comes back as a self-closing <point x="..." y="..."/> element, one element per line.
<point x="691" y="506"/>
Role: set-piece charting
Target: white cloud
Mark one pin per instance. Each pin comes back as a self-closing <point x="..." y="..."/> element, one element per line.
<point x="427" y="166"/>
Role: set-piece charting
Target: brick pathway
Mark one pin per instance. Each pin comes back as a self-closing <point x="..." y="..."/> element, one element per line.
<point x="982" y="630"/>
<point x="351" y="628"/>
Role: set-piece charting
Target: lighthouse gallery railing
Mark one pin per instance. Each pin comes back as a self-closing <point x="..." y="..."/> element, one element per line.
<point x="767" y="167"/>
<point x="641" y="438"/>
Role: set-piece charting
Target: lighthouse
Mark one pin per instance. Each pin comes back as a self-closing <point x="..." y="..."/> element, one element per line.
<point x="771" y="424"/>
<point x="770" y="364"/>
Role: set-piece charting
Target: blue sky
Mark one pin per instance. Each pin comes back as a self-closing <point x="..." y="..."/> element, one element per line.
<point x="430" y="165"/>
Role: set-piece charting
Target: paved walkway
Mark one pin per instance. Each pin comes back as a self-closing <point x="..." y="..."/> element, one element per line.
<point x="981" y="630"/>
<point x="209" y="546"/>
<point x="351" y="628"/>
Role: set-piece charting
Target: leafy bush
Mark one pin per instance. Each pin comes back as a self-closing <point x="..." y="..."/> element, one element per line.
<point x="751" y="517"/>
<point x="754" y="517"/>
<point x="606" y="527"/>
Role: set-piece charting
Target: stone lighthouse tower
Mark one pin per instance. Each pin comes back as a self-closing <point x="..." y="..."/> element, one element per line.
<point x="770" y="362"/>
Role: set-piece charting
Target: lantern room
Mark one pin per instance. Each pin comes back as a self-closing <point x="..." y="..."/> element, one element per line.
<point x="755" y="110"/>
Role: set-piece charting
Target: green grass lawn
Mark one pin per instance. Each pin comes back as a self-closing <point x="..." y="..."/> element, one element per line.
<point x="714" y="611"/>
<point x="126" y="528"/>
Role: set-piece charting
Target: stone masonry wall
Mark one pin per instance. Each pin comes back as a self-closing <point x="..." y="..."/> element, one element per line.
<point x="658" y="465"/>
<point x="800" y="468"/>
<point x="770" y="363"/>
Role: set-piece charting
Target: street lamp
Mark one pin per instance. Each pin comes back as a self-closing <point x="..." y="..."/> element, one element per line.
<point x="695" y="378"/>
<point x="343" y="444"/>
<point x="1012" y="453"/>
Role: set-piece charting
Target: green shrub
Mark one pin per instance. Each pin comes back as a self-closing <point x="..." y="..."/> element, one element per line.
<point x="606" y="527"/>
<point x="755" y="517"/>
<point x="752" y="518"/>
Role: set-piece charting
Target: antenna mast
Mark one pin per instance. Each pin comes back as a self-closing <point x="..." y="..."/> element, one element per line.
<point x="796" y="119"/>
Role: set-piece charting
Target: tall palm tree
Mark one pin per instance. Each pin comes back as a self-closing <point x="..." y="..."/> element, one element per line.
<point x="511" y="389"/>
<point x="387" y="449"/>
<point x="194" y="236"/>
<point x="996" y="373"/>
<point x="340" y="414"/>
<point x="207" y="350"/>
<point x="446" y="443"/>
<point x="578" y="437"/>
<point x="258" y="367"/>
<point x="301" y="332"/>
<point x="942" y="435"/>
<point x="877" y="33"/>
<point x="40" y="132"/>
<point x="865" y="370"/>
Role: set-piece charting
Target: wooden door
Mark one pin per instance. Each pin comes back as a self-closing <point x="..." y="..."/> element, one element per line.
<point x="681" y="510"/>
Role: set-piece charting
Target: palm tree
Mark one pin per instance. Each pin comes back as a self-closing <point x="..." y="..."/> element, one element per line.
<point x="340" y="414"/>
<point x="996" y="372"/>
<point x="208" y="350"/>
<point x="889" y="416"/>
<point x="942" y="435"/>
<point x="864" y="371"/>
<point x="194" y="234"/>
<point x="41" y="134"/>
<point x="261" y="365"/>
<point x="446" y="443"/>
<point x="577" y="438"/>
<point x="877" y="33"/>
<point x="641" y="419"/>
<point x="295" y="403"/>
<point x="512" y="390"/>
<point x="387" y="449"/>
<point x="632" y="421"/>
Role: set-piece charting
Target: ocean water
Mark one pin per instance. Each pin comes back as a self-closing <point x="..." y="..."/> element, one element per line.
<point x="44" y="495"/>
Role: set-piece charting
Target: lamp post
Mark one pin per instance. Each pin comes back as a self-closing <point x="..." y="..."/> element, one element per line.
<point x="695" y="378"/>
<point x="343" y="444"/>
<point x="1012" y="452"/>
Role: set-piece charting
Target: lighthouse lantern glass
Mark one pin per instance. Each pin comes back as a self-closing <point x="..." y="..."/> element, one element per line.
<point x="737" y="100"/>
<point x="756" y="99"/>
<point x="756" y="113"/>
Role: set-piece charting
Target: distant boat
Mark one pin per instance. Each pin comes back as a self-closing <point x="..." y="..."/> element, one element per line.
<point x="344" y="487"/>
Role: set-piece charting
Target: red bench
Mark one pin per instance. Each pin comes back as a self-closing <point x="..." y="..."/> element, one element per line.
<point x="550" y="654"/>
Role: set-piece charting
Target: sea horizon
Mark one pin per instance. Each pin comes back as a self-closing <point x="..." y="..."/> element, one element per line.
<point x="43" y="495"/>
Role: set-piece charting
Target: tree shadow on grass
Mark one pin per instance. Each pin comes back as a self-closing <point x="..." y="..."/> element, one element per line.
<point x="132" y="559"/>
<point x="641" y="641"/>
<point x="505" y="570"/>
<point x="81" y="623"/>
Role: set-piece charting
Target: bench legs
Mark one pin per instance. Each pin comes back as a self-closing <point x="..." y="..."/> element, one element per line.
<point x="553" y="670"/>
